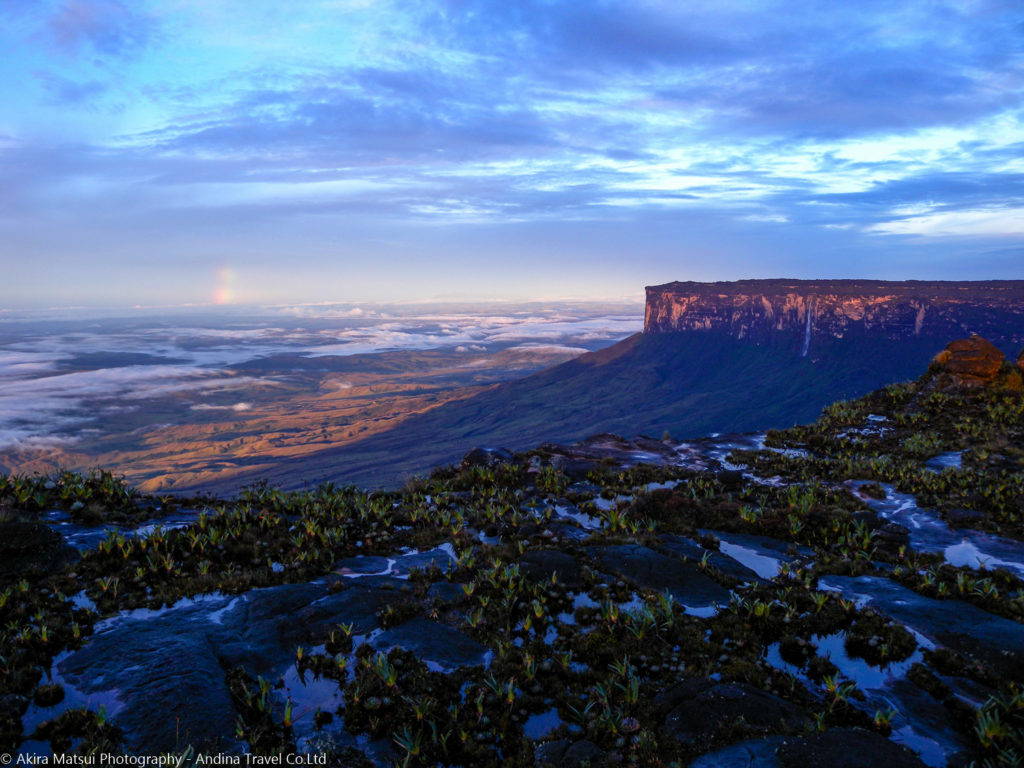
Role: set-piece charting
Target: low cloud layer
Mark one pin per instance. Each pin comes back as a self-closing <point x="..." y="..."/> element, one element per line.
<point x="43" y="403"/>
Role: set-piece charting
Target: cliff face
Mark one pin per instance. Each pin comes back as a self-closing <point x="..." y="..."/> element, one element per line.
<point x="814" y="309"/>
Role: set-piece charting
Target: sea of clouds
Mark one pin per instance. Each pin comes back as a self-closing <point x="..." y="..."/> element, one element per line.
<point x="60" y="375"/>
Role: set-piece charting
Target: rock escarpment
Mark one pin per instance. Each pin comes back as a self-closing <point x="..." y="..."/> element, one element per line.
<point x="808" y="310"/>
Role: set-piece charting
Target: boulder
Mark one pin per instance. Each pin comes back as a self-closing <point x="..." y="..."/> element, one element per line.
<point x="583" y="753"/>
<point x="160" y="679"/>
<point x="446" y="592"/>
<point x="681" y="546"/>
<point x="574" y="469"/>
<point x="564" y="753"/>
<point x="652" y="570"/>
<point x="846" y="748"/>
<point x="964" y="518"/>
<point x="433" y="643"/>
<point x="485" y="457"/>
<point x="972" y="362"/>
<point x="27" y="547"/>
<point x="540" y="564"/>
<point x="162" y="675"/>
<point x="759" y="752"/>
<point x="700" y="706"/>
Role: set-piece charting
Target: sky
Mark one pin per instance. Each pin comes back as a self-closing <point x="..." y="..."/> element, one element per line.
<point x="216" y="152"/>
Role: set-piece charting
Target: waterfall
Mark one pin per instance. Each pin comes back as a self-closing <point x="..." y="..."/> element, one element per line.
<point x="807" y="332"/>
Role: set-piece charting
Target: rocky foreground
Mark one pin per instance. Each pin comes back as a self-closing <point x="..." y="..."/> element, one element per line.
<point x="844" y="593"/>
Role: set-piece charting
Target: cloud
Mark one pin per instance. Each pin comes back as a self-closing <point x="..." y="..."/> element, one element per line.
<point x="995" y="222"/>
<point x="107" y="26"/>
<point x="44" y="406"/>
<point x="239" y="407"/>
<point x="391" y="143"/>
<point x="40" y="403"/>
<point x="551" y="349"/>
<point x="68" y="91"/>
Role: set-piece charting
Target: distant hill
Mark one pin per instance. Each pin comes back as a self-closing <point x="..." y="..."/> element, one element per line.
<point x="713" y="357"/>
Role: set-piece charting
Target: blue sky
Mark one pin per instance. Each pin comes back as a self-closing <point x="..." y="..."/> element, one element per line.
<point x="197" y="151"/>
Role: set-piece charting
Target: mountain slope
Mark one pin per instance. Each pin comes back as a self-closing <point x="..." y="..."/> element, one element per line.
<point x="714" y="357"/>
<point x="689" y="384"/>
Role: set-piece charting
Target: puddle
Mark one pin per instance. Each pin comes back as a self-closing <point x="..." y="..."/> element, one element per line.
<point x="86" y="537"/>
<point x="397" y="567"/>
<point x="540" y="725"/>
<point x="186" y="602"/>
<point x="764" y="566"/>
<point x="950" y="460"/>
<point x="585" y="521"/>
<point x="73" y="699"/>
<point x="701" y="612"/>
<point x="606" y="504"/>
<point x="666" y="486"/>
<point x="929" y="533"/>
<point x="309" y="695"/>
<point x="885" y="688"/>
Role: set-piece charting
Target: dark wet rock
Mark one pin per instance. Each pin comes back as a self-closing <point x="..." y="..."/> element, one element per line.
<point x="357" y="604"/>
<point x="972" y="362"/>
<point x="27" y="547"/>
<point x="929" y="718"/>
<point x="759" y="752"/>
<point x="585" y="488"/>
<point x="582" y="753"/>
<point x="445" y="592"/>
<point x="400" y="565"/>
<point x="164" y="672"/>
<point x="361" y="565"/>
<point x="960" y="626"/>
<point x="576" y="460"/>
<point x="700" y="706"/>
<point x="894" y="534"/>
<point x="49" y="695"/>
<point x="541" y="564"/>
<point x="433" y="642"/>
<point x="574" y="469"/>
<point x="845" y="748"/>
<point x="963" y="518"/>
<point x="567" y="531"/>
<point x="13" y="706"/>
<point x="423" y="560"/>
<point x="550" y="753"/>
<point x="564" y="753"/>
<point x="680" y="546"/>
<point x="167" y="671"/>
<point x="486" y="457"/>
<point x="653" y="445"/>
<point x="653" y="570"/>
<point x="731" y="479"/>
